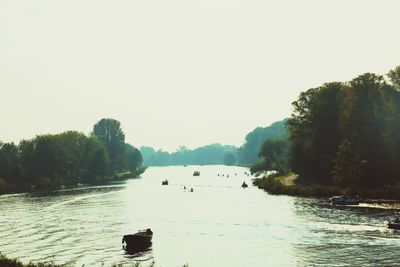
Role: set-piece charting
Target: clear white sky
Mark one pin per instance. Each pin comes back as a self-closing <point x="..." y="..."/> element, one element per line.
<point x="180" y="72"/>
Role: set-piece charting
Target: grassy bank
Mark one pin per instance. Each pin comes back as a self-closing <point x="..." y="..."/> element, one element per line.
<point x="275" y="185"/>
<point x="6" y="262"/>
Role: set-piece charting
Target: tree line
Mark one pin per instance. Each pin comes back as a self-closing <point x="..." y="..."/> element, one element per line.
<point x="205" y="155"/>
<point x="343" y="133"/>
<point x="246" y="154"/>
<point x="52" y="160"/>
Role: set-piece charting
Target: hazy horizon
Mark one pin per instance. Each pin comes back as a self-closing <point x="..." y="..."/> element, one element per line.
<point x="180" y="73"/>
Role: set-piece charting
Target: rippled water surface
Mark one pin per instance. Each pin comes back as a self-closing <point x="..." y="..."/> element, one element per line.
<point x="219" y="224"/>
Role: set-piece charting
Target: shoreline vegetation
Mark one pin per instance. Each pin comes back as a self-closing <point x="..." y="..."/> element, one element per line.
<point x="279" y="185"/>
<point x="344" y="138"/>
<point x="66" y="160"/>
<point x="7" y="262"/>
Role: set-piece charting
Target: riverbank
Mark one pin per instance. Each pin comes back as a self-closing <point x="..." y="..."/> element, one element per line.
<point x="46" y="184"/>
<point x="290" y="185"/>
<point x="7" y="262"/>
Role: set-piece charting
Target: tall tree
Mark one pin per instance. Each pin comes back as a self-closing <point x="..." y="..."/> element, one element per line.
<point x="248" y="152"/>
<point x="133" y="157"/>
<point x="110" y="133"/>
<point x="274" y="157"/>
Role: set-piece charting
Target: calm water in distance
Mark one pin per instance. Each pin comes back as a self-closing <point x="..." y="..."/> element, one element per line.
<point x="219" y="224"/>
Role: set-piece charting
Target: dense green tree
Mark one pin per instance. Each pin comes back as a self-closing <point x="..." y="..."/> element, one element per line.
<point x="394" y="77"/>
<point x="133" y="157"/>
<point x="274" y="157"/>
<point x="248" y="152"/>
<point x="348" y="133"/>
<point x="10" y="167"/>
<point x="110" y="133"/>
<point x="95" y="160"/>
<point x="314" y="132"/>
<point x="49" y="161"/>
<point x="348" y="165"/>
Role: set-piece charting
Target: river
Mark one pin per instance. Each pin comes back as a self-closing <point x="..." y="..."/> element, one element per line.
<point x="219" y="224"/>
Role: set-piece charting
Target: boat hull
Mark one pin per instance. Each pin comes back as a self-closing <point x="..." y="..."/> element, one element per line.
<point x="344" y="201"/>
<point x="136" y="242"/>
<point x="393" y="225"/>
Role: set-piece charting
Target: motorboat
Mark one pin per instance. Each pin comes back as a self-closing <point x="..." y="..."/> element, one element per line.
<point x="344" y="200"/>
<point x="137" y="242"/>
<point x="395" y="224"/>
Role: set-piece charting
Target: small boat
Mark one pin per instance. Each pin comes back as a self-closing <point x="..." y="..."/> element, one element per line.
<point x="137" y="242"/>
<point x="244" y="185"/>
<point x="395" y="224"/>
<point x="344" y="200"/>
<point x="165" y="182"/>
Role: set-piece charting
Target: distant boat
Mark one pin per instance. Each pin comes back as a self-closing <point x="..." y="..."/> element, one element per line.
<point x="165" y="182"/>
<point x="344" y="200"/>
<point x="137" y="242"/>
<point x="244" y="185"/>
<point x="196" y="173"/>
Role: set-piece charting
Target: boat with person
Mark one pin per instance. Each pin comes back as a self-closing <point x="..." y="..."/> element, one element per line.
<point x="137" y="242"/>
<point x="344" y="200"/>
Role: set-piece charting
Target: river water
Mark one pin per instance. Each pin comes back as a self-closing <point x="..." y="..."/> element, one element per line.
<point x="219" y="224"/>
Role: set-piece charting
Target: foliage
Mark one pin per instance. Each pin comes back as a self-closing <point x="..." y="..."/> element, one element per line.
<point x="229" y="159"/>
<point x="205" y="155"/>
<point x="348" y="134"/>
<point x="133" y="157"/>
<point x="109" y="132"/>
<point x="6" y="262"/>
<point x="3" y="186"/>
<point x="248" y="152"/>
<point x="47" y="162"/>
<point x="274" y="157"/>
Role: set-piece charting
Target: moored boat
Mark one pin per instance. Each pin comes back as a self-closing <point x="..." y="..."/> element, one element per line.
<point x="344" y="200"/>
<point x="138" y="241"/>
